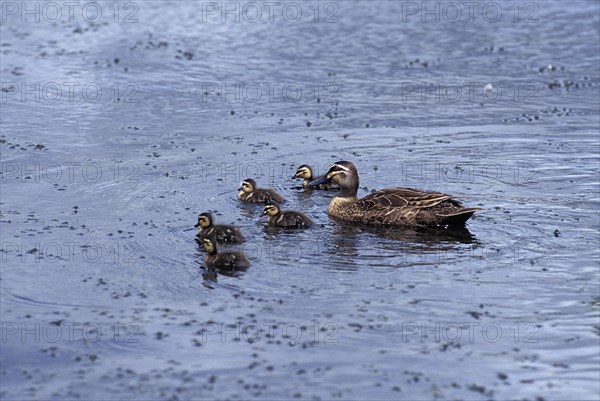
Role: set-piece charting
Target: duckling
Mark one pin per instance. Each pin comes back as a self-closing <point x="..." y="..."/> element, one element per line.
<point x="225" y="260"/>
<point x="223" y="233"/>
<point x="250" y="193"/>
<point x="305" y="172"/>
<point x="287" y="218"/>
<point x="393" y="206"/>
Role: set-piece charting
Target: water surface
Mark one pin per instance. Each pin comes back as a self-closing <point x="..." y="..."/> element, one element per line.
<point x="104" y="294"/>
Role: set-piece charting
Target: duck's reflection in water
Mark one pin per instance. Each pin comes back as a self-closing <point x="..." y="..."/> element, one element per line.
<point x="348" y="247"/>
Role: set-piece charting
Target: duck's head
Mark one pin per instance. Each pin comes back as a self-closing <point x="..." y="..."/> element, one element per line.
<point x="248" y="185"/>
<point x="210" y="245"/>
<point x="272" y="209"/>
<point x="344" y="174"/>
<point x="205" y="220"/>
<point x="304" y="171"/>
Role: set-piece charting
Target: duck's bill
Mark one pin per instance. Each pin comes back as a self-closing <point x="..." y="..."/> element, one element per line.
<point x="240" y="188"/>
<point x="197" y="225"/>
<point x="294" y="176"/>
<point x="319" y="181"/>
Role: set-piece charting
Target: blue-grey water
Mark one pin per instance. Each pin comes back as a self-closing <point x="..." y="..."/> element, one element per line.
<point x="118" y="129"/>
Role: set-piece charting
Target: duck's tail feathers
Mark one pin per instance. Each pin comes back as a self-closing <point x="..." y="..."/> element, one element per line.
<point x="460" y="217"/>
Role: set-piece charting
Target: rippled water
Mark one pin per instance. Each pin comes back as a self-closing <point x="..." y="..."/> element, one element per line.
<point x="104" y="294"/>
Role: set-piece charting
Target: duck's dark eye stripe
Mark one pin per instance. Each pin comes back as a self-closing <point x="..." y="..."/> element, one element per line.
<point x="337" y="167"/>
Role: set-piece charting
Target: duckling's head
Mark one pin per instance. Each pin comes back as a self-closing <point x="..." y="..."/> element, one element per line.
<point x="248" y="185"/>
<point x="304" y="171"/>
<point x="344" y="174"/>
<point x="205" y="220"/>
<point x="210" y="245"/>
<point x="272" y="209"/>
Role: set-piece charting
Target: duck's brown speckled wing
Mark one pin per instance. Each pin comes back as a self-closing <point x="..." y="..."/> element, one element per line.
<point x="401" y="198"/>
<point x="408" y="206"/>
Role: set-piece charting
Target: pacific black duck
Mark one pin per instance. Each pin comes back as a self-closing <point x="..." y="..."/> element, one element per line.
<point x="393" y="206"/>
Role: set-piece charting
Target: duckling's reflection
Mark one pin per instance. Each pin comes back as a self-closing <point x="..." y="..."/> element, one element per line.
<point x="346" y="244"/>
<point x="210" y="276"/>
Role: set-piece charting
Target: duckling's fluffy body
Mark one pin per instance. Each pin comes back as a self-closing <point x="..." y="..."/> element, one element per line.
<point x="250" y="193"/>
<point x="223" y="233"/>
<point x="305" y="172"/>
<point x="393" y="206"/>
<point x="226" y="260"/>
<point x="286" y="218"/>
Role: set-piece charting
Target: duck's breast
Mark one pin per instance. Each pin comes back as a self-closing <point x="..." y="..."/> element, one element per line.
<point x="342" y="207"/>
